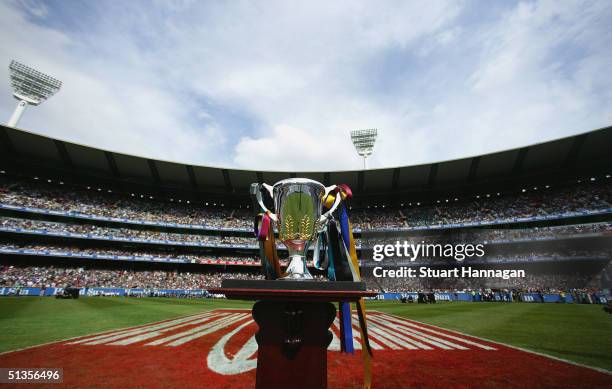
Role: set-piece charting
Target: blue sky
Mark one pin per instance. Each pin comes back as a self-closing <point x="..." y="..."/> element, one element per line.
<point x="278" y="85"/>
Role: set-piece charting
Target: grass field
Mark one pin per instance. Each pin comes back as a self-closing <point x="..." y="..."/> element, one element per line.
<point x="580" y="333"/>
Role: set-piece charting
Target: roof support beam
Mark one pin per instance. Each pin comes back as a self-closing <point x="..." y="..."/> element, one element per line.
<point x="63" y="153"/>
<point x="192" y="176"/>
<point x="360" y="181"/>
<point x="228" y="182"/>
<point x="433" y="173"/>
<point x="395" y="180"/>
<point x="154" y="171"/>
<point x="572" y="154"/>
<point x="7" y="144"/>
<point x="326" y="179"/>
<point x="473" y="169"/>
<point x="112" y="164"/>
<point x="520" y="159"/>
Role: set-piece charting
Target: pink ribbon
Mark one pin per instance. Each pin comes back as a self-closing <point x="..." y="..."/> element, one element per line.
<point x="261" y="231"/>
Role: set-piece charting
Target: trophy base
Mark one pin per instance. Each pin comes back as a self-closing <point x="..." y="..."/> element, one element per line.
<point x="297" y="270"/>
<point x="289" y="289"/>
<point x="297" y="277"/>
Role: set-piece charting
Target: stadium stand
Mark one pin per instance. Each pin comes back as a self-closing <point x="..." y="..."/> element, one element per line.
<point x="77" y="216"/>
<point x="591" y="197"/>
<point x="54" y="277"/>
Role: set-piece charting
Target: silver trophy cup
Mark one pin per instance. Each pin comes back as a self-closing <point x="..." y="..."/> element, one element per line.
<point x="298" y="203"/>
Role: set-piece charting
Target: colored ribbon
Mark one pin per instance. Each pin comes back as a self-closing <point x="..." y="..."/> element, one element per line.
<point x="262" y="226"/>
<point x="267" y="246"/>
<point x="331" y="270"/>
<point x="346" y="331"/>
<point x="349" y="241"/>
<point x="346" y="328"/>
<point x="346" y="191"/>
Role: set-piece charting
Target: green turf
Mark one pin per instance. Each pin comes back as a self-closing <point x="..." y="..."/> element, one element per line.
<point x="26" y="321"/>
<point x="580" y="333"/>
<point x="575" y="332"/>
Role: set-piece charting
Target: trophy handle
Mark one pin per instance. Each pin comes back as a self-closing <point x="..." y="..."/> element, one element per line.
<point x="270" y="190"/>
<point x="327" y="214"/>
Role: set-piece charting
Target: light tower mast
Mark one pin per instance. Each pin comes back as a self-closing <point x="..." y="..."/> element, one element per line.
<point x="363" y="140"/>
<point x="30" y="87"/>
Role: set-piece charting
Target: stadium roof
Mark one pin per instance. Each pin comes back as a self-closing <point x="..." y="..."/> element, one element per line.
<point x="585" y="152"/>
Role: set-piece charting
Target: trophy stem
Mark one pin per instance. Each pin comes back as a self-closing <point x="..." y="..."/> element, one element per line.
<point x="297" y="270"/>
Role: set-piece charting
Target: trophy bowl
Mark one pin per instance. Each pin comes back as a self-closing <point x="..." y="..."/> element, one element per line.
<point x="298" y="203"/>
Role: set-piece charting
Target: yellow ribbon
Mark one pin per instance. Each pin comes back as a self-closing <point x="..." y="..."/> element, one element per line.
<point x="360" y="305"/>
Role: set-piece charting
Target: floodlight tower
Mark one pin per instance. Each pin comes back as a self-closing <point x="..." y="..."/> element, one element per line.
<point x="363" y="140"/>
<point x="29" y="87"/>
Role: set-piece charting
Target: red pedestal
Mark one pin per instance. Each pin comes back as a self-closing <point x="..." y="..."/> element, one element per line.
<point x="293" y="331"/>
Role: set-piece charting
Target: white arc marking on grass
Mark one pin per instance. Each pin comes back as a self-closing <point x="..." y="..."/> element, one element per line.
<point x="219" y="363"/>
<point x="416" y="335"/>
<point x="153" y="334"/>
<point x="463" y="340"/>
<point x="196" y="332"/>
<point x="335" y="343"/>
<point x="121" y="334"/>
<point x="438" y="342"/>
<point x="397" y="337"/>
<point x="356" y="338"/>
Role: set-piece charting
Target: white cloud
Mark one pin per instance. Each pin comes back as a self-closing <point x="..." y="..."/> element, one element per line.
<point x="539" y="75"/>
<point x="128" y="113"/>
<point x="448" y="36"/>
<point x="285" y="149"/>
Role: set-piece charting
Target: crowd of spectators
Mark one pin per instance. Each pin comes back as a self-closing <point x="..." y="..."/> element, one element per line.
<point x="142" y="255"/>
<point x="521" y="255"/>
<point x="471" y="235"/>
<point x="532" y="282"/>
<point x="492" y="235"/>
<point x="162" y="256"/>
<point x="488" y="207"/>
<point x="96" y="202"/>
<point x="58" y="277"/>
<point x="488" y="236"/>
<point x="106" y="232"/>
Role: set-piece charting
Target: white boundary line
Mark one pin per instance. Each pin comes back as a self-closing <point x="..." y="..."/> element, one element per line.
<point x="118" y="329"/>
<point x="598" y="369"/>
<point x="100" y="333"/>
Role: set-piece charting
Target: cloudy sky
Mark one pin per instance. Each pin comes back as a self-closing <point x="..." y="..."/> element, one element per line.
<point x="278" y="85"/>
